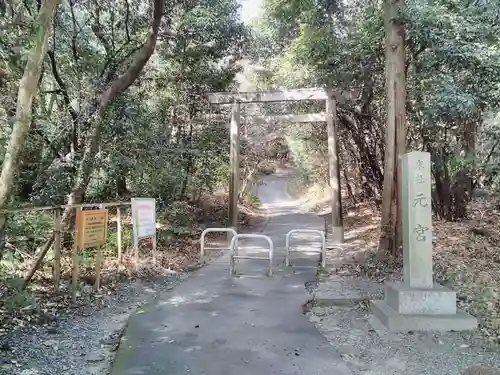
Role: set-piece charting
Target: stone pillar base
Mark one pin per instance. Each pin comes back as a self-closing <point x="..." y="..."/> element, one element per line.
<point x="420" y="309"/>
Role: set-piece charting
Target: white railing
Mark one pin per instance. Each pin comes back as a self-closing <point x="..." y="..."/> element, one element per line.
<point x="234" y="255"/>
<point x="320" y="233"/>
<point x="214" y="230"/>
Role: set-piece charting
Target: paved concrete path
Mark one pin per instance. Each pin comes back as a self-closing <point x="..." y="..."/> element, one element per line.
<point x="214" y="324"/>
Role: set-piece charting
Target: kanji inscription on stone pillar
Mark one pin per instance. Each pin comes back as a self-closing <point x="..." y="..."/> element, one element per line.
<point x="417" y="220"/>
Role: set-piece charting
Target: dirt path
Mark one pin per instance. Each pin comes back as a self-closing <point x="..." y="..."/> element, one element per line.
<point x="215" y="324"/>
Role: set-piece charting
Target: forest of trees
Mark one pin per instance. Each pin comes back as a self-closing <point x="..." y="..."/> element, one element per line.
<point x="104" y="101"/>
<point x="449" y="53"/>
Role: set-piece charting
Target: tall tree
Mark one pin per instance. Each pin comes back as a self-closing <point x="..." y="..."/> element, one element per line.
<point x="395" y="131"/>
<point x="123" y="134"/>
<point x="28" y="85"/>
<point x="452" y="59"/>
<point x="95" y="115"/>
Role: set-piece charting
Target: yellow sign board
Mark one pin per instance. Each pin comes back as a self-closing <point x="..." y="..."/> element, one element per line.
<point x="92" y="227"/>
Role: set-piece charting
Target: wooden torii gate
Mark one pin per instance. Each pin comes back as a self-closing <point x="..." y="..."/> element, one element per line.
<point x="331" y="97"/>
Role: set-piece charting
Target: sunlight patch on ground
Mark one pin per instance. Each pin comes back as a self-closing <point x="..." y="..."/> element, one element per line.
<point x="192" y="348"/>
<point x="244" y="250"/>
<point x="284" y="212"/>
<point x="199" y="297"/>
<point x="353" y="233"/>
<point x="296" y="286"/>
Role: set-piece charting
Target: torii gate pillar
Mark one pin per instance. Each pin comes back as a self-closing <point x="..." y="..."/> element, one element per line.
<point x="336" y="231"/>
<point x="234" y="178"/>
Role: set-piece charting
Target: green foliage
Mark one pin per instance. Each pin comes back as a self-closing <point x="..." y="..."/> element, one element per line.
<point x="17" y="300"/>
<point x="8" y="266"/>
<point x="165" y="237"/>
<point x="26" y="230"/>
<point x="308" y="149"/>
<point x="179" y="216"/>
<point x="156" y="139"/>
<point x="111" y="246"/>
<point x="158" y="122"/>
<point x="453" y="53"/>
<point x="14" y="298"/>
<point x="458" y="56"/>
<point x="87" y="257"/>
<point x="253" y="200"/>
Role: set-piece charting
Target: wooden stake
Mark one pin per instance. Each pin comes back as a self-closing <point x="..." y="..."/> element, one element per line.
<point x="74" y="275"/>
<point x="136" y="254"/>
<point x="119" y="233"/>
<point x="234" y="166"/>
<point x="57" y="248"/>
<point x="337" y="234"/>
<point x="98" y="262"/>
<point x="154" y="248"/>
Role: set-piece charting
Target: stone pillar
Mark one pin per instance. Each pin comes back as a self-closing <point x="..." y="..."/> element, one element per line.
<point x="417" y="220"/>
<point x="417" y="303"/>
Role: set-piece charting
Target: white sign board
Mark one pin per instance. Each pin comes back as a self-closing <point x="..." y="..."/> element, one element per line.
<point x="143" y="218"/>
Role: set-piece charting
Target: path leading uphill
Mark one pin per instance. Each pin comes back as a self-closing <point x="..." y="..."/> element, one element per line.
<point x="214" y="324"/>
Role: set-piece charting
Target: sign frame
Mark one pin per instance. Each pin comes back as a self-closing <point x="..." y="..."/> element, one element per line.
<point x="137" y="236"/>
<point x="81" y="228"/>
<point x="79" y="244"/>
<point x="136" y="203"/>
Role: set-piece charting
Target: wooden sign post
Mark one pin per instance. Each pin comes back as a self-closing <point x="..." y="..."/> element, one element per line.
<point x="91" y="231"/>
<point x="57" y="248"/>
<point x="143" y="224"/>
<point x="119" y="233"/>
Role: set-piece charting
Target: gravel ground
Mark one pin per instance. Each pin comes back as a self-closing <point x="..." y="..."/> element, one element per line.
<point x="370" y="352"/>
<point x="83" y="340"/>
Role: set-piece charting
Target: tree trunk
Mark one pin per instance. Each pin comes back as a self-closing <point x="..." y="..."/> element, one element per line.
<point x="395" y="134"/>
<point x="187" y="145"/>
<point x="387" y="225"/>
<point x="27" y="91"/>
<point x="96" y="114"/>
<point x="121" y="185"/>
<point x="398" y="49"/>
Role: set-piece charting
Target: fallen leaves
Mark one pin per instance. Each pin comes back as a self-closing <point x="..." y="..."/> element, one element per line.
<point x="466" y="258"/>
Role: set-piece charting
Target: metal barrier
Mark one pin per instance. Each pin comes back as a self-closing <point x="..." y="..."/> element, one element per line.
<point x="214" y="230"/>
<point x="320" y="233"/>
<point x="234" y="251"/>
